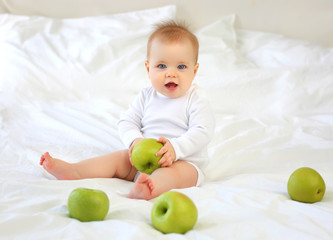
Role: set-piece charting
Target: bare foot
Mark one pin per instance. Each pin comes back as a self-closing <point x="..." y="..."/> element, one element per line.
<point x="58" y="168"/>
<point x="143" y="188"/>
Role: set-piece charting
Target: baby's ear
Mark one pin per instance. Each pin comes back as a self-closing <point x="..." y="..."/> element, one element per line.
<point x="147" y="65"/>
<point x="196" y="67"/>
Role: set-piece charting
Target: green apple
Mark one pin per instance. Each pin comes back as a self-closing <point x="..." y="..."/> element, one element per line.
<point x="306" y="185"/>
<point x="174" y="212"/>
<point x="88" y="204"/>
<point x="144" y="155"/>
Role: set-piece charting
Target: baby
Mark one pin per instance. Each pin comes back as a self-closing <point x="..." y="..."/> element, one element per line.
<point x="173" y="110"/>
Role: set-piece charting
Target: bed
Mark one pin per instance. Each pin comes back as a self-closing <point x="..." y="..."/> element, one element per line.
<point x="65" y="81"/>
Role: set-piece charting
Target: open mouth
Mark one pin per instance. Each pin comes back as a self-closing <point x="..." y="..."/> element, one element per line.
<point x="171" y="86"/>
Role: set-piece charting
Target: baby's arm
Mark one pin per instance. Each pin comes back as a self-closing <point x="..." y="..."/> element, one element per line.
<point x="169" y="153"/>
<point x="201" y="128"/>
<point x="129" y="125"/>
<point x="137" y="140"/>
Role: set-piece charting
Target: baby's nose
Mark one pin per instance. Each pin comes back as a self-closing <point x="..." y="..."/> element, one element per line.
<point x="171" y="73"/>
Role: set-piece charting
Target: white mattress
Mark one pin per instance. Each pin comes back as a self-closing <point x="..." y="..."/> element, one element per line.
<point x="64" y="84"/>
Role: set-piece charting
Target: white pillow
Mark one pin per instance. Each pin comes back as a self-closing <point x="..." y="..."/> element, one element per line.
<point x="269" y="50"/>
<point x="218" y="52"/>
<point x="66" y="58"/>
<point x="223" y="29"/>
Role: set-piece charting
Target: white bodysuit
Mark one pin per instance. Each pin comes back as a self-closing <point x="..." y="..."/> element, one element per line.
<point x="187" y="122"/>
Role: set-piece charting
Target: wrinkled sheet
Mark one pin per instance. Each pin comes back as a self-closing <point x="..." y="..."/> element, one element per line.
<point x="64" y="84"/>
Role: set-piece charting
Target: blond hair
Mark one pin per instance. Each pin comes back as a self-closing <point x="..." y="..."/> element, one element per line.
<point x="172" y="31"/>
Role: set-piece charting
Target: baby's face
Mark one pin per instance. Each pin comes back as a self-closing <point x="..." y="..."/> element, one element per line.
<point x="171" y="67"/>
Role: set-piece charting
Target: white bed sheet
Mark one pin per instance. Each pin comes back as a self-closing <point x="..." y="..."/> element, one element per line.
<point x="64" y="83"/>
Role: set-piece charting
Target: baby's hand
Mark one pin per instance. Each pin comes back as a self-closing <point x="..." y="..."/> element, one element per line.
<point x="131" y="148"/>
<point x="169" y="153"/>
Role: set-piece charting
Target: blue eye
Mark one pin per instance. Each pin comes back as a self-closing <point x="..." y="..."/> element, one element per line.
<point x="161" y="66"/>
<point x="181" y="67"/>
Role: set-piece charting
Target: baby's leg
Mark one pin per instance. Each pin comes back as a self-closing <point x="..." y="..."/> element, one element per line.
<point x="143" y="187"/>
<point x="115" y="164"/>
<point x="180" y="174"/>
<point x="58" y="168"/>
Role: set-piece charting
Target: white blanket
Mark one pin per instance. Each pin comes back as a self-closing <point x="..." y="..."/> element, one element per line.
<point x="65" y="82"/>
